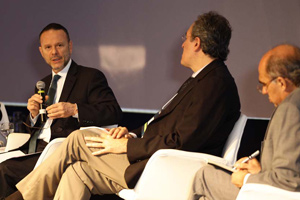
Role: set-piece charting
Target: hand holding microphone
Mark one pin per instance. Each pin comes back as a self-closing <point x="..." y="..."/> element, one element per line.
<point x="40" y="85"/>
<point x="36" y="103"/>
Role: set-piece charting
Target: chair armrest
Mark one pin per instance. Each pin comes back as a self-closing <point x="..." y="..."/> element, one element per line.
<point x="169" y="174"/>
<point x="15" y="140"/>
<point x="256" y="191"/>
<point x="50" y="148"/>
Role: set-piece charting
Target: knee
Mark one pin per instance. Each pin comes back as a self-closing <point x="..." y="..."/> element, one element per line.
<point x="201" y="176"/>
<point x="75" y="135"/>
<point x="203" y="171"/>
<point x="208" y="169"/>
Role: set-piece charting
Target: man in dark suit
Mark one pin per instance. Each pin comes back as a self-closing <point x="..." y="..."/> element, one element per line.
<point x="279" y="77"/>
<point x="198" y="118"/>
<point x="82" y="98"/>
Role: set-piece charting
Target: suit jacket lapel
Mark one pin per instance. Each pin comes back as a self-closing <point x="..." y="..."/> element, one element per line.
<point x="213" y="65"/>
<point x="267" y="130"/>
<point x="47" y="83"/>
<point x="69" y="82"/>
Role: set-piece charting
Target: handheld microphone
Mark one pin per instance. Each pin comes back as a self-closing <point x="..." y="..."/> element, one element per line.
<point x="40" y="85"/>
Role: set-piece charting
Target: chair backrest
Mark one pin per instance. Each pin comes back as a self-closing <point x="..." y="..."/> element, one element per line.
<point x="232" y="144"/>
<point x="254" y="133"/>
<point x="245" y="138"/>
<point x="15" y="140"/>
<point x="4" y="118"/>
<point x="4" y="113"/>
<point x="50" y="148"/>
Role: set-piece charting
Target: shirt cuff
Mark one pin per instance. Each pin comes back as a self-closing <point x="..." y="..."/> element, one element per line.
<point x="33" y="120"/>
<point x="76" y="115"/>
<point x="246" y="178"/>
<point x="132" y="134"/>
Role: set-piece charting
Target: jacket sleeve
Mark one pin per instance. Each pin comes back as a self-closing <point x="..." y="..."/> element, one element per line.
<point x="101" y="107"/>
<point x="281" y="157"/>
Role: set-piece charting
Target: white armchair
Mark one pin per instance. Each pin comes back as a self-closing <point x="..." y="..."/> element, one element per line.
<point x="169" y="174"/>
<point x="15" y="140"/>
<point x="252" y="191"/>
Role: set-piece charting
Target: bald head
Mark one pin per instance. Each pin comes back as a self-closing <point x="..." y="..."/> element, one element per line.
<point x="283" y="61"/>
<point x="279" y="72"/>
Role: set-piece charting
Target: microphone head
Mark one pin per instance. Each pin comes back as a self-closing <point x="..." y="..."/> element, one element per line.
<point x="40" y="85"/>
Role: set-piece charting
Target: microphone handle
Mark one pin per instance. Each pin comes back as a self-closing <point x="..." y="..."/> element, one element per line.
<point x="42" y="110"/>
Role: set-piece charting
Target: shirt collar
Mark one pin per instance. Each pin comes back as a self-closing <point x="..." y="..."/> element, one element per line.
<point x="65" y="70"/>
<point x="197" y="72"/>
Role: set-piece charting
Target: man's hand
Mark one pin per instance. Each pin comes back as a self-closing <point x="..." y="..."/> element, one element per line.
<point x="61" y="110"/>
<point x="107" y="144"/>
<point x="33" y="104"/>
<point x="252" y="166"/>
<point x="237" y="177"/>
<point x="119" y="132"/>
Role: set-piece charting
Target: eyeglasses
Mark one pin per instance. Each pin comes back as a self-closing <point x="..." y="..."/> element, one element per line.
<point x="260" y="86"/>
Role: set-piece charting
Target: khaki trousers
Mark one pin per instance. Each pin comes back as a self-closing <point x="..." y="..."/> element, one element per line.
<point x="72" y="172"/>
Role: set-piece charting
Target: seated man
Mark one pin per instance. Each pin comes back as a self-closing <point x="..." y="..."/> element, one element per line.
<point x="279" y="76"/>
<point x="81" y="97"/>
<point x="198" y="118"/>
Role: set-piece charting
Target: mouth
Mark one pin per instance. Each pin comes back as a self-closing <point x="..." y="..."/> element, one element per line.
<point x="57" y="59"/>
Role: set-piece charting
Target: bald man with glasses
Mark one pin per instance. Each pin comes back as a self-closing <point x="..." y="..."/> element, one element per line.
<point x="279" y="78"/>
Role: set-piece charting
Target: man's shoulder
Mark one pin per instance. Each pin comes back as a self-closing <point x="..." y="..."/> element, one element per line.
<point x="81" y="67"/>
<point x="216" y="73"/>
<point x="216" y="68"/>
<point x="84" y="69"/>
<point x="293" y="98"/>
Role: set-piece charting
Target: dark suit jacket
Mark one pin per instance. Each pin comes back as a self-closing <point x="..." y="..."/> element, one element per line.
<point x="198" y="119"/>
<point x="97" y="105"/>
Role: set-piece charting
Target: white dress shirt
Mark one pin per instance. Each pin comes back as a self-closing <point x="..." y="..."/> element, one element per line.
<point x="46" y="132"/>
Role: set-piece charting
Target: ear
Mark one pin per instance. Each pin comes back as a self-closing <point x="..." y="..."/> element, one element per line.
<point x="283" y="83"/>
<point x="71" y="46"/>
<point x="197" y="43"/>
<point x="40" y="48"/>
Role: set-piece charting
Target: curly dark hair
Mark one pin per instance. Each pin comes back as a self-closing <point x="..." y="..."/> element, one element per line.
<point x="214" y="32"/>
<point x="55" y="26"/>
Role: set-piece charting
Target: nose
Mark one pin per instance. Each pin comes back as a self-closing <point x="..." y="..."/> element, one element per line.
<point x="54" y="51"/>
<point x="264" y="90"/>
